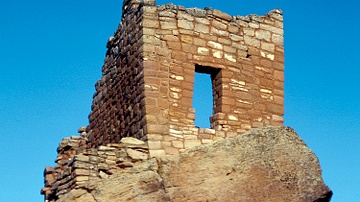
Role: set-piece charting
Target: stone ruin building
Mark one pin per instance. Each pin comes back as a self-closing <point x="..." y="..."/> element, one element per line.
<point x="147" y="86"/>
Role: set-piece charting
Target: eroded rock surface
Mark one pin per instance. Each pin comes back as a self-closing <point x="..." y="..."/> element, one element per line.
<point x="262" y="165"/>
<point x="141" y="186"/>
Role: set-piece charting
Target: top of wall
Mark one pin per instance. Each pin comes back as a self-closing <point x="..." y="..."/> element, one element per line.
<point x="206" y="12"/>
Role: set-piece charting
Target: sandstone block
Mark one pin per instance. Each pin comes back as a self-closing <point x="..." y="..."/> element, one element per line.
<point x="279" y="56"/>
<point x="221" y="134"/>
<point x="203" y="136"/>
<point x="155" y="137"/>
<point x="105" y="148"/>
<point x="186" y="16"/>
<point x="190" y="137"/>
<point x="168" y="24"/>
<point x="231" y="58"/>
<point x="277" y="118"/>
<point x="187" y="39"/>
<point x="185" y="24"/>
<point x="157" y="129"/>
<point x="233" y="29"/>
<point x="254" y="25"/>
<point x="219" y="32"/>
<point x="81" y="172"/>
<point x="171" y="150"/>
<point x="166" y="13"/>
<point x="201" y="28"/>
<point x="81" y="158"/>
<point x="204" y="21"/>
<point x="203" y="51"/>
<point x="154" y="144"/>
<point x="222" y="15"/>
<point x="49" y="170"/>
<point x="276" y="14"/>
<point x="187" y="32"/>
<point x="165" y="144"/>
<point x="242" y="54"/>
<point x="49" y="180"/>
<point x="169" y="38"/>
<point x="191" y="143"/>
<point x="230" y="49"/>
<point x="82" y="129"/>
<point x="174" y="45"/>
<point x="199" y="42"/>
<point x="219" y="25"/>
<point x="268" y="47"/>
<point x="249" y="32"/>
<point x="277" y="39"/>
<point x="210" y="131"/>
<point x="136" y="155"/>
<point x="245" y="126"/>
<point x="267" y="55"/>
<point x="178" y="144"/>
<point x="218" y="54"/>
<point x="157" y="153"/>
<point x="232" y="117"/>
<point x="272" y="29"/>
<point x="215" y="45"/>
<point x="278" y="100"/>
<point x="148" y="23"/>
<point x="81" y="165"/>
<point x="81" y="178"/>
<point x="251" y="41"/>
<point x="276" y="109"/>
<point x="224" y="41"/>
<point x="278" y="75"/>
<point x="263" y="35"/>
<point x="151" y="40"/>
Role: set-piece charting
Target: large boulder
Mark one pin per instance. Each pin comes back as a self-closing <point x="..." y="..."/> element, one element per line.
<point x="262" y="165"/>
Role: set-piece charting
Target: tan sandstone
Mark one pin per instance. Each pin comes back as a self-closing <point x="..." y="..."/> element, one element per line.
<point x="270" y="164"/>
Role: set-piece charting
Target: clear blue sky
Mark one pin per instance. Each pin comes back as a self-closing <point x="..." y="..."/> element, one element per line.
<point x="51" y="53"/>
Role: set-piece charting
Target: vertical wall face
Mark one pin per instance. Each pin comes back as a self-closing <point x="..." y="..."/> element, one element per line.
<point x="148" y="77"/>
<point x="245" y="57"/>
<point x="118" y="105"/>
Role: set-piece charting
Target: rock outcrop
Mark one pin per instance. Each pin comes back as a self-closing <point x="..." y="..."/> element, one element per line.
<point x="264" y="164"/>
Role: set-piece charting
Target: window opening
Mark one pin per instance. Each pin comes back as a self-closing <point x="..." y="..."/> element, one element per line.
<point x="203" y="100"/>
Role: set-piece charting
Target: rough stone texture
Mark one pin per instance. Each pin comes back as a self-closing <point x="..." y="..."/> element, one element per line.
<point x="265" y="164"/>
<point x="77" y="167"/>
<point x="270" y="164"/>
<point x="139" y="184"/>
<point x="118" y="104"/>
<point x="148" y="76"/>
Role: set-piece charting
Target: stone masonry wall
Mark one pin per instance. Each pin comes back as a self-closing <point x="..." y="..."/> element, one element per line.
<point x="118" y="104"/>
<point x="243" y="55"/>
<point x="148" y="77"/>
<point x="77" y="166"/>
